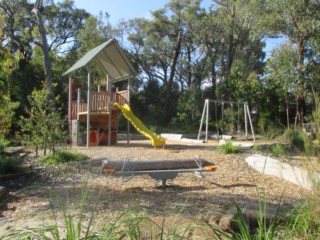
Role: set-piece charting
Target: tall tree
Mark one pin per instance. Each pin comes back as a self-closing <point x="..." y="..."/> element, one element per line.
<point x="18" y="28"/>
<point x="297" y="20"/>
<point x="43" y="43"/>
<point x="228" y="35"/>
<point x="159" y="46"/>
<point x="281" y="72"/>
<point x="7" y="65"/>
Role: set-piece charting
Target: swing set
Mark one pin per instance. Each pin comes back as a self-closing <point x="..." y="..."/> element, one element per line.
<point x="220" y="116"/>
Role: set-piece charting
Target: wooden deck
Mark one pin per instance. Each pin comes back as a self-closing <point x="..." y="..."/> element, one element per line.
<point x="99" y="106"/>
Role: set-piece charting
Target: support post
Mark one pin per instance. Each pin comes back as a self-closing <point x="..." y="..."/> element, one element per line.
<point x="202" y="118"/>
<point x="245" y="119"/>
<point x="109" y="109"/>
<point x="70" y="110"/>
<point x="88" y="108"/>
<point x="128" y="123"/>
<point x="250" y="121"/>
<point x="78" y="102"/>
<point x="207" y="121"/>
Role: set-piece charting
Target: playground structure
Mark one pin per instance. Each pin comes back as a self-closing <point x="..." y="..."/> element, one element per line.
<point x="158" y="170"/>
<point x="100" y="113"/>
<point x="219" y="119"/>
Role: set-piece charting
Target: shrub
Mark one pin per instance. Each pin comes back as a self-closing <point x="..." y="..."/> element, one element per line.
<point x="44" y="126"/>
<point x="296" y="138"/>
<point x="10" y="165"/>
<point x="301" y="141"/>
<point x="61" y="157"/>
<point x="4" y="143"/>
<point x="256" y="148"/>
<point x="228" y="148"/>
<point x="278" y="150"/>
<point x="304" y="222"/>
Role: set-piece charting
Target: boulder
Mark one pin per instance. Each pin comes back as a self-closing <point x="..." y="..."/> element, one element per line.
<point x="227" y="221"/>
<point x="271" y="166"/>
<point x="251" y="212"/>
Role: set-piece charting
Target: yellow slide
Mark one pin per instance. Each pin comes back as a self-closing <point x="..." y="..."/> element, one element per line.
<point x="156" y="139"/>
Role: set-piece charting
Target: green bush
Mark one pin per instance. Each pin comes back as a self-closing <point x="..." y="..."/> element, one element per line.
<point x="296" y="138"/>
<point x="4" y="143"/>
<point x="301" y="141"/>
<point x="228" y="148"/>
<point x="10" y="165"/>
<point x="278" y="150"/>
<point x="256" y="148"/>
<point x="61" y="157"/>
<point x="304" y="222"/>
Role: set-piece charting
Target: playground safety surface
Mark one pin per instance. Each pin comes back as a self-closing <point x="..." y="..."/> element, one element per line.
<point x="32" y="198"/>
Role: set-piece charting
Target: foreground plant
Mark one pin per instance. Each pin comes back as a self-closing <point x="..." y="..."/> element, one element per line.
<point x="73" y="226"/>
<point x="228" y="148"/>
<point x="304" y="221"/>
<point x="130" y="224"/>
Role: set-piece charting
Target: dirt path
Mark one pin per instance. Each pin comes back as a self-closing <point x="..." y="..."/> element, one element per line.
<point x="31" y="203"/>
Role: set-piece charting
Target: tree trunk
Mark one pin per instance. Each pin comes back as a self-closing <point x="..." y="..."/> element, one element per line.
<point x="300" y="87"/>
<point x="287" y="111"/>
<point x="45" y="51"/>
<point x="189" y="71"/>
<point x="170" y="81"/>
<point x="315" y="97"/>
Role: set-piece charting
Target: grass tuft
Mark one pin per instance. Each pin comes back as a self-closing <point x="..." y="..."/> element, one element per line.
<point x="61" y="157"/>
<point x="228" y="148"/>
<point x="278" y="150"/>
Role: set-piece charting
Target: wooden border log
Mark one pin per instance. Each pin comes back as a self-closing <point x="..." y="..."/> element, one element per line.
<point x="112" y="166"/>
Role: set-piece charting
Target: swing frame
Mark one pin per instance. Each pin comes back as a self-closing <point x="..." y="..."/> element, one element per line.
<point x="205" y="114"/>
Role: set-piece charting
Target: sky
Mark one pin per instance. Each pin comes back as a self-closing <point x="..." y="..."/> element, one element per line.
<point x="124" y="9"/>
<point x="128" y="9"/>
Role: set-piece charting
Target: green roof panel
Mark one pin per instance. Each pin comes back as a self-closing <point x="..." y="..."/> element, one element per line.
<point x="110" y="57"/>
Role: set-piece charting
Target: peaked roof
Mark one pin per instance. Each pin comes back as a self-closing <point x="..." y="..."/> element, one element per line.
<point x="111" y="60"/>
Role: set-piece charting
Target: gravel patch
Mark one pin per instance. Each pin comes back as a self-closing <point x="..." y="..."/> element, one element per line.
<point x="34" y="197"/>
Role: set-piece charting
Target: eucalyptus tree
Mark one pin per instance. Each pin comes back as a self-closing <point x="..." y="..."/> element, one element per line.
<point x="64" y="22"/>
<point x="281" y="75"/>
<point x="17" y="28"/>
<point x="298" y="21"/>
<point x="7" y="64"/>
<point x="164" y="47"/>
<point x="61" y="22"/>
<point x="42" y="42"/>
<point x="228" y="35"/>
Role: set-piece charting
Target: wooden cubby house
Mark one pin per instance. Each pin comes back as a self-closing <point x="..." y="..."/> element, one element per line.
<point x="94" y="121"/>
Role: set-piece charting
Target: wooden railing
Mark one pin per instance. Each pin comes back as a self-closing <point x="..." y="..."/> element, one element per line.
<point x="99" y="102"/>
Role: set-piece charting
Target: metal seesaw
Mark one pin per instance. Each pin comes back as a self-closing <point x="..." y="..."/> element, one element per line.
<point x="158" y="170"/>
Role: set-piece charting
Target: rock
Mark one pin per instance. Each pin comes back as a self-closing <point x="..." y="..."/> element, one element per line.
<point x="227" y="221"/>
<point x="271" y="166"/>
<point x="253" y="210"/>
<point x="251" y="213"/>
<point x="3" y="192"/>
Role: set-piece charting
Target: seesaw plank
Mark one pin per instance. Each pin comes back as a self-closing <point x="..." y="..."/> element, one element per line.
<point x="111" y="166"/>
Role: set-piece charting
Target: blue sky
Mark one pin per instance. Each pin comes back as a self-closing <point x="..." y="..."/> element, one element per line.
<point x="128" y="9"/>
